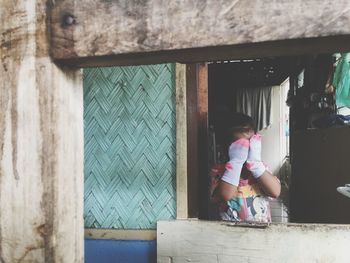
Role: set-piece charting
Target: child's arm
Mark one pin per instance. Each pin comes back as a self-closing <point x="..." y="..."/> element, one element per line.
<point x="227" y="191"/>
<point x="270" y="184"/>
<point x="238" y="153"/>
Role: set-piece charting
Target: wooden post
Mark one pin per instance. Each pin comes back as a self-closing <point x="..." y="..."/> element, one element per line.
<point x="203" y="133"/>
<point x="41" y="143"/>
<point x="181" y="143"/>
<point x="197" y="139"/>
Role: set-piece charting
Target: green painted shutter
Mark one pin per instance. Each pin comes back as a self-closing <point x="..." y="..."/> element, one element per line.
<point x="130" y="155"/>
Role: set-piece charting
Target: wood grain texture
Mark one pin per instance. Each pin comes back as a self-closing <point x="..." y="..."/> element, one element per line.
<point x="219" y="242"/>
<point x="203" y="133"/>
<point x="181" y="143"/>
<point x="120" y="234"/>
<point x="192" y="140"/>
<point x="197" y="139"/>
<point x="41" y="143"/>
<point x="121" y="32"/>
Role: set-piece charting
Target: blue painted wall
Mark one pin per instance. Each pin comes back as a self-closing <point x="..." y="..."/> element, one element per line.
<point x="123" y="251"/>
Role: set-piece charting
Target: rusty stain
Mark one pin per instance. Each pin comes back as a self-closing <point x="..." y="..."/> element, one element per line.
<point x="28" y="249"/>
<point x="12" y="47"/>
<point x="42" y="32"/>
<point x="41" y="230"/>
<point x="95" y="44"/>
<point x="14" y="132"/>
<point x="49" y="144"/>
<point x="47" y="157"/>
<point x="3" y="109"/>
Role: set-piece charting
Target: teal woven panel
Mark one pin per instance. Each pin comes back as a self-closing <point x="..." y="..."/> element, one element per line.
<point x="129" y="126"/>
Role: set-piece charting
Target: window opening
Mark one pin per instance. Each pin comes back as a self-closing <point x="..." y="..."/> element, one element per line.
<point x="296" y="115"/>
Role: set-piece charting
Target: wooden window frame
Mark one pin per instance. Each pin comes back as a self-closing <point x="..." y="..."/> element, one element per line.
<point x="42" y="91"/>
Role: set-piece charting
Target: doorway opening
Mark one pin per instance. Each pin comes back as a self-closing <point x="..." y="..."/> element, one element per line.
<point x="298" y="109"/>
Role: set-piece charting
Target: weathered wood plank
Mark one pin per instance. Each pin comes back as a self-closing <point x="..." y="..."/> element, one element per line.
<point x="192" y="140"/>
<point x="203" y="241"/>
<point x="181" y="143"/>
<point x="41" y="143"/>
<point x="91" y="32"/>
<point x="120" y="234"/>
<point x="197" y="140"/>
<point x="203" y="133"/>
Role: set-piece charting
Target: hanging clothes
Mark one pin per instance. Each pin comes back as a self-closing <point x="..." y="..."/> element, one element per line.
<point x="255" y="102"/>
<point x="341" y="81"/>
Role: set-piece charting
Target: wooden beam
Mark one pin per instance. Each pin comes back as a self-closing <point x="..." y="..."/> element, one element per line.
<point x="99" y="32"/>
<point x="203" y="241"/>
<point x="41" y="143"/>
<point x="181" y="143"/>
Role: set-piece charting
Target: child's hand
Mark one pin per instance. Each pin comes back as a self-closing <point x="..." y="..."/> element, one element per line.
<point x="238" y="153"/>
<point x="254" y="163"/>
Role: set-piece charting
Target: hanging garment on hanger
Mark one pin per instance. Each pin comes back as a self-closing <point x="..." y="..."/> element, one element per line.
<point x="255" y="102"/>
<point x="341" y="81"/>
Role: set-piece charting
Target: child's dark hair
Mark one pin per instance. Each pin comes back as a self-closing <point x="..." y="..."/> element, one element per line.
<point x="240" y="122"/>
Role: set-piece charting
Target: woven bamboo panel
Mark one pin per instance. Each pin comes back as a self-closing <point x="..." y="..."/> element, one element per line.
<point x="129" y="126"/>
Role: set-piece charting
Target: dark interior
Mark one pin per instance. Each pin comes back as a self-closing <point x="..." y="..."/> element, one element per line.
<point x="319" y="136"/>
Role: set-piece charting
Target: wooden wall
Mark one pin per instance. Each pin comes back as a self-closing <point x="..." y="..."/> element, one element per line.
<point x="41" y="125"/>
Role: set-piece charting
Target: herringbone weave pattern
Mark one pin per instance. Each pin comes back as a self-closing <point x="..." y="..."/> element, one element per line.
<point x="129" y="126"/>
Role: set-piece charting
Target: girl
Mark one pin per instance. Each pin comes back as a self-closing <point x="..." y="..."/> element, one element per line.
<point x="246" y="183"/>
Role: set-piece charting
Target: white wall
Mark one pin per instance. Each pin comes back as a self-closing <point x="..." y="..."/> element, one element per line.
<point x="271" y="136"/>
<point x="274" y="145"/>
